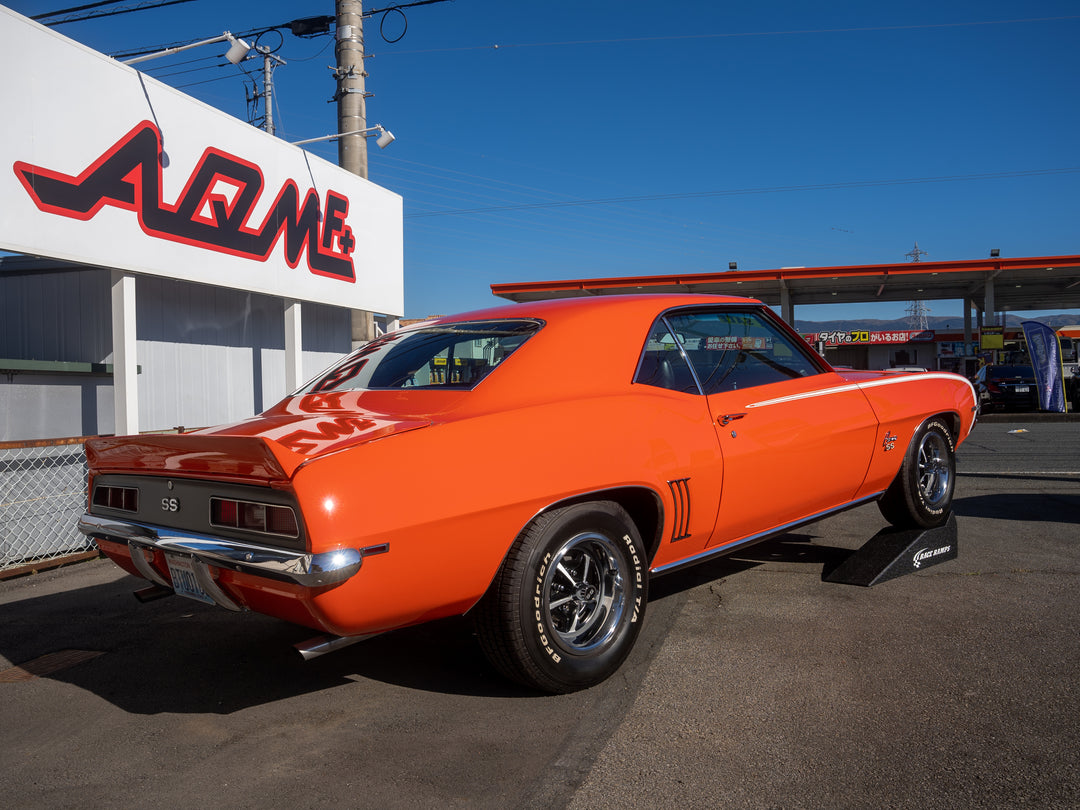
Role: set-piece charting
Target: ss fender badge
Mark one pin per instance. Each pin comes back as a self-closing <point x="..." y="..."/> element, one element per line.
<point x="889" y="442"/>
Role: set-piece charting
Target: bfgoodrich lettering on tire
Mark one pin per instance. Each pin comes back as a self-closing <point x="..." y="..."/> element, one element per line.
<point x="921" y="494"/>
<point x="567" y="604"/>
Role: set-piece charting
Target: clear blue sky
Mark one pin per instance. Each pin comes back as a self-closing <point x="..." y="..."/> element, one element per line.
<point x="682" y="103"/>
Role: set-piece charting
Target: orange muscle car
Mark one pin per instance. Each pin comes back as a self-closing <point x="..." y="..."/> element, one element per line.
<point x="532" y="465"/>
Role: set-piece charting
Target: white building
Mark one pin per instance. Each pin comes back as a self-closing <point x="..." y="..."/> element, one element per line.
<point x="196" y="269"/>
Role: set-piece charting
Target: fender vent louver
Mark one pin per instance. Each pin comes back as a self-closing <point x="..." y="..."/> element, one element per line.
<point x="680" y="494"/>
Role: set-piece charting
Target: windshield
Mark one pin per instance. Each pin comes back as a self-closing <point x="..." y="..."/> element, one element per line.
<point x="442" y="356"/>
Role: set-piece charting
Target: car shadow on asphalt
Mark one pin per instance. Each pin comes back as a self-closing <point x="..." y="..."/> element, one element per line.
<point x="1022" y="506"/>
<point x="177" y="655"/>
<point x="180" y="656"/>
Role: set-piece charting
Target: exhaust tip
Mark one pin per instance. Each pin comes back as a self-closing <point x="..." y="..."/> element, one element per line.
<point x="321" y="645"/>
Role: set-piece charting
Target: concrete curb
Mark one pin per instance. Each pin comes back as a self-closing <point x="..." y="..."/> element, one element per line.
<point x="1034" y="416"/>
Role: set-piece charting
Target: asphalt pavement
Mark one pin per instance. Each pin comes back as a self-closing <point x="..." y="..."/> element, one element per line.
<point x="755" y="683"/>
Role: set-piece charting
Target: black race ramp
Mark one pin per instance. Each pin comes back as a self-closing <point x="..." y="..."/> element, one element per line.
<point x="894" y="552"/>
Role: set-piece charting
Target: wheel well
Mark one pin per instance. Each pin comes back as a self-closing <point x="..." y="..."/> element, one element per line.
<point x="642" y="504"/>
<point x="951" y="419"/>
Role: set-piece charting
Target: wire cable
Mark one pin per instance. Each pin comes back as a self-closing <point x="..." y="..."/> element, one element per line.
<point x="760" y="190"/>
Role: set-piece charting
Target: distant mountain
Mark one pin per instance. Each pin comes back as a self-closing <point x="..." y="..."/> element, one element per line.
<point x="936" y="323"/>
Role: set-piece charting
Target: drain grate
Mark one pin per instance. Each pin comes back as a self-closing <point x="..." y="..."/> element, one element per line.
<point x="47" y="665"/>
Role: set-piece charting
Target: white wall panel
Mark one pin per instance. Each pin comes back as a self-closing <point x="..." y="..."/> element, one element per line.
<point x="208" y="355"/>
<point x="56" y="316"/>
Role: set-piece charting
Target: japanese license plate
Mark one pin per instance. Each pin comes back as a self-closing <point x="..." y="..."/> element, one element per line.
<point x="185" y="583"/>
<point x="1022" y="389"/>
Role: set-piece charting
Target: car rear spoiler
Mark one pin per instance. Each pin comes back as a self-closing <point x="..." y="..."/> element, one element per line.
<point x="241" y="458"/>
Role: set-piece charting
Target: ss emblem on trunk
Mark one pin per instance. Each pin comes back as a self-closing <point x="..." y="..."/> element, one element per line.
<point x="170" y="505"/>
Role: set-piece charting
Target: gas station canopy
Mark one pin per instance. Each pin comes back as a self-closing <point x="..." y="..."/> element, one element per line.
<point x="991" y="285"/>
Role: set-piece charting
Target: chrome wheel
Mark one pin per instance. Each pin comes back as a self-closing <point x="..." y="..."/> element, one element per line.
<point x="921" y="494"/>
<point x="568" y="601"/>
<point x="935" y="470"/>
<point x="583" y="593"/>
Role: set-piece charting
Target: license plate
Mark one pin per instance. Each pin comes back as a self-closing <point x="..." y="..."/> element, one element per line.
<point x="185" y="583"/>
<point x="1022" y="389"/>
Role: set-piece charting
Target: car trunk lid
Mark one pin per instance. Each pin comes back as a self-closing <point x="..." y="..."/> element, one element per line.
<point x="264" y="449"/>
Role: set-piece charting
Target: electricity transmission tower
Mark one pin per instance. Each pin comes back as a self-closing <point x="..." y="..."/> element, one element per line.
<point x="915" y="253"/>
<point x="917" y="310"/>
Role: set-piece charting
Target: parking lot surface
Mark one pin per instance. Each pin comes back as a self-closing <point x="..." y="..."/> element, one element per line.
<point x="755" y="683"/>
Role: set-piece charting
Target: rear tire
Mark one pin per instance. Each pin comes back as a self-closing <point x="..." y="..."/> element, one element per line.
<point x="921" y="494"/>
<point x="567" y="604"/>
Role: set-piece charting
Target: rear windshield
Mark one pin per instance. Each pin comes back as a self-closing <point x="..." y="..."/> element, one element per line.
<point x="1006" y="372"/>
<point x="443" y="356"/>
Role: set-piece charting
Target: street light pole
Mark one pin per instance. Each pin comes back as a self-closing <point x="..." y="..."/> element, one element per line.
<point x="351" y="97"/>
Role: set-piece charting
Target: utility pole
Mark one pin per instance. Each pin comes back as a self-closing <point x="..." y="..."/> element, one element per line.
<point x="267" y="95"/>
<point x="352" y="116"/>
<point x="351" y="97"/>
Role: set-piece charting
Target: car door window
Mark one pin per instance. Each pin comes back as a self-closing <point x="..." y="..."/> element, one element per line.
<point x="733" y="350"/>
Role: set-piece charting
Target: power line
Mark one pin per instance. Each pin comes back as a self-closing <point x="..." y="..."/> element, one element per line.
<point x="113" y="13"/>
<point x="73" y="9"/>
<point x="760" y="190"/>
<point x="399" y="6"/>
<point x="913" y="27"/>
<point x="185" y="71"/>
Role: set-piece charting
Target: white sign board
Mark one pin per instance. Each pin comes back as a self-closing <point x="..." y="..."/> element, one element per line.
<point x="131" y="174"/>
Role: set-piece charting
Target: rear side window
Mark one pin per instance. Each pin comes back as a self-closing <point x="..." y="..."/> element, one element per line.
<point x="442" y="356"/>
<point x="663" y="363"/>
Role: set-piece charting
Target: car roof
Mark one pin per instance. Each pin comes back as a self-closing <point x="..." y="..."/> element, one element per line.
<point x="592" y="306"/>
<point x="588" y="346"/>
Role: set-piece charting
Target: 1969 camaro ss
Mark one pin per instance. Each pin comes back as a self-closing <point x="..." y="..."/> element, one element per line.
<point x="532" y="465"/>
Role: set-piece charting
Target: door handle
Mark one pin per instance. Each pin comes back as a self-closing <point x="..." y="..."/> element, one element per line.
<point x="728" y="418"/>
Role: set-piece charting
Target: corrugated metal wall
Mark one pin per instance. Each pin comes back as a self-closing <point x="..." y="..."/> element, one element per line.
<point x="208" y="354"/>
<point x="61" y="316"/>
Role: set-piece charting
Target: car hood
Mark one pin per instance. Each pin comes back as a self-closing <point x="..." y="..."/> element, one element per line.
<point x="265" y="448"/>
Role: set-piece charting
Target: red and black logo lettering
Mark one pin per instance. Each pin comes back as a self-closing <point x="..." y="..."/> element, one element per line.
<point x="128" y="176"/>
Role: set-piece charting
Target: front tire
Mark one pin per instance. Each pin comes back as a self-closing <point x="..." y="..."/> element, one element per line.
<point x="567" y="604"/>
<point x="921" y="494"/>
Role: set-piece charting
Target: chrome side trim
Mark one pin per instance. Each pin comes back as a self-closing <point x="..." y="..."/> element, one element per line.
<point x="719" y="551"/>
<point x="309" y="570"/>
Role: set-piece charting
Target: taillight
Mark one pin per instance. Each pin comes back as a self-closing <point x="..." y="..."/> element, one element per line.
<point x="249" y="516"/>
<point x="993" y="388"/>
<point x="125" y="499"/>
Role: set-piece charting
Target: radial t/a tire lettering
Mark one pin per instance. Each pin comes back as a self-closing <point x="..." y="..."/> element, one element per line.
<point x="567" y="604"/>
<point x="921" y="494"/>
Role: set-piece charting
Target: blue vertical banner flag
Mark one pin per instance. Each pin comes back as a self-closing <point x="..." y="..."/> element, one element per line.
<point x="1045" y="353"/>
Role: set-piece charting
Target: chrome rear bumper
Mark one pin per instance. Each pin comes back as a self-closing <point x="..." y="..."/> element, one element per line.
<point x="309" y="570"/>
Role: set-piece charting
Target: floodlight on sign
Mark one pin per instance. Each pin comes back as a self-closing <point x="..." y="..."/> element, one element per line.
<point x="386" y="137"/>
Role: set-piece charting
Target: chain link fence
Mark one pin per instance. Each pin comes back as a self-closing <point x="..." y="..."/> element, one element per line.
<point x="42" y="496"/>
